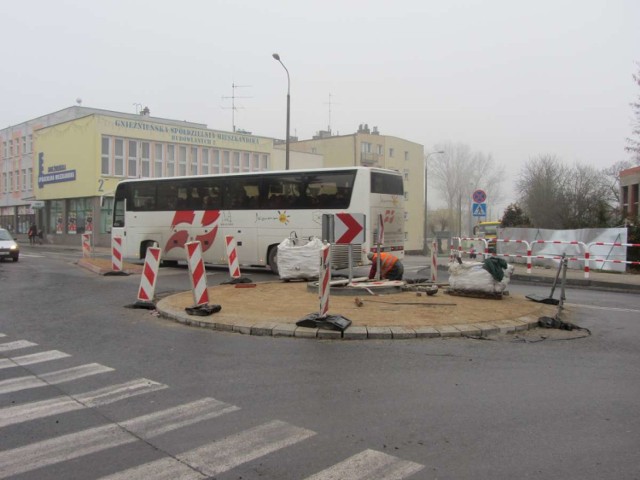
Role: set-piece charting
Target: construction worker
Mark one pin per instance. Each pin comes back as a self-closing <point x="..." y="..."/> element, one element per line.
<point x="390" y="267"/>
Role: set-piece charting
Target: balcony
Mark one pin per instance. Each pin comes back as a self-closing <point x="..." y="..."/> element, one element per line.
<point x="368" y="159"/>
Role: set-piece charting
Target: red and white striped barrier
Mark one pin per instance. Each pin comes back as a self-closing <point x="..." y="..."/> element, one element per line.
<point x="197" y="273"/>
<point x="472" y="239"/>
<point x="324" y="287"/>
<point x="232" y="257"/>
<point x="116" y="254"/>
<point x="523" y="242"/>
<point x="434" y="261"/>
<point x="149" y="276"/>
<point x="86" y="245"/>
<point x="587" y="256"/>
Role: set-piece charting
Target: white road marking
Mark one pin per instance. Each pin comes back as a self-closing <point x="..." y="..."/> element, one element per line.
<point x="33" y="358"/>
<point x="167" y="468"/>
<point x="369" y="464"/>
<point x="218" y="457"/>
<point x="59" y="405"/>
<point x="2" y="335"/>
<point x="31" y="255"/>
<point x="18" y="344"/>
<point x="60" y="376"/>
<point x="75" y="445"/>
<point x="157" y="423"/>
<point x="596" y="307"/>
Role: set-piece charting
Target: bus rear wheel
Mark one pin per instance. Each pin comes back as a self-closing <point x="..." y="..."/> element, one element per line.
<point x="273" y="259"/>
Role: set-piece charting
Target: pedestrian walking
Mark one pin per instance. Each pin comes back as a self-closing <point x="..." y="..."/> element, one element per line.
<point x="32" y="234"/>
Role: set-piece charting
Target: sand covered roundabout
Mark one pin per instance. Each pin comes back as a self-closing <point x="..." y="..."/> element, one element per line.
<point x="287" y="302"/>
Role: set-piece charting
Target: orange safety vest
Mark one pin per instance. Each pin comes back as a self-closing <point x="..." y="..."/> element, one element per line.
<point x="387" y="261"/>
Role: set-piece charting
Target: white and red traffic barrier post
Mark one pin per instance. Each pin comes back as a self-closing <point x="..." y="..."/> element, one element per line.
<point x="434" y="261"/>
<point x="197" y="273"/>
<point x="324" y="284"/>
<point x="232" y="256"/>
<point x="149" y="277"/>
<point x="584" y="259"/>
<point x="116" y="254"/>
<point x="603" y="260"/>
<point x="86" y="245"/>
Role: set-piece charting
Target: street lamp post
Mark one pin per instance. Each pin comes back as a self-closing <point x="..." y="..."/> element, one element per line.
<point x="426" y="223"/>
<point x="277" y="57"/>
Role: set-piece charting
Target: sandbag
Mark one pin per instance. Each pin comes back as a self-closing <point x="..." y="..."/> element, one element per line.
<point x="299" y="262"/>
<point x="473" y="277"/>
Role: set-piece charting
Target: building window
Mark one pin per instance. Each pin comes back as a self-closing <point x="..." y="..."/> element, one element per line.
<point x="204" y="168"/>
<point x="145" y="160"/>
<point x="10" y="181"/>
<point x="5" y="185"/>
<point x="264" y="162"/>
<point x="391" y="152"/>
<point x="255" y="162"/>
<point x="236" y="162"/>
<point x="106" y="156"/>
<point x="158" y="160"/>
<point x="406" y="174"/>
<point x="118" y="167"/>
<point x="406" y="195"/>
<point x="226" y="162"/>
<point x="5" y="150"/>
<point x="30" y="179"/>
<point x="182" y="161"/>
<point x="380" y="149"/>
<point x="11" y="148"/>
<point x="171" y="160"/>
<point x="194" y="161"/>
<point x="133" y="158"/>
<point x="24" y="179"/>
<point x="406" y="156"/>
<point x="246" y="162"/>
<point x="80" y="216"/>
<point x="215" y="161"/>
<point x="56" y="220"/>
<point x="30" y="145"/>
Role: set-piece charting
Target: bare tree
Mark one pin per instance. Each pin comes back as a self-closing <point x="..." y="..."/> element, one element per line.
<point x="633" y="142"/>
<point x="541" y="190"/>
<point x="457" y="172"/>
<point x="559" y="197"/>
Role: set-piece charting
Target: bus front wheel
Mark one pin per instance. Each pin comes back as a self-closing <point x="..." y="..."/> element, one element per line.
<point x="273" y="259"/>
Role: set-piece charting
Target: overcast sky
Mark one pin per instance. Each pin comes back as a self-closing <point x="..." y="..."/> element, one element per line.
<point x="511" y="78"/>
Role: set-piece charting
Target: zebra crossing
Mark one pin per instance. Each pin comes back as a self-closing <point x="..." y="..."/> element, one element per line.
<point x="205" y="461"/>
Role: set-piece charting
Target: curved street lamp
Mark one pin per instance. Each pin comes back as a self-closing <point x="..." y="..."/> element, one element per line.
<point x="277" y="57"/>
<point x="426" y="223"/>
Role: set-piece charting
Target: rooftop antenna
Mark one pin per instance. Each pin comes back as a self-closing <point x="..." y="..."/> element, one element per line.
<point x="233" y="103"/>
<point x="329" y="103"/>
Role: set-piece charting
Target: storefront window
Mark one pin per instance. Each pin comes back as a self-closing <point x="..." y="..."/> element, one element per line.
<point x="25" y="219"/>
<point x="56" y="218"/>
<point x="105" y="215"/>
<point x="80" y="216"/>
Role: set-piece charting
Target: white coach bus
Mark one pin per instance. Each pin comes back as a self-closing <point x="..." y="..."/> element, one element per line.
<point x="259" y="209"/>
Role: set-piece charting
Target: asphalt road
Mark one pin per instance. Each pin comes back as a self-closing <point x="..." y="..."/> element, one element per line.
<point x="127" y="389"/>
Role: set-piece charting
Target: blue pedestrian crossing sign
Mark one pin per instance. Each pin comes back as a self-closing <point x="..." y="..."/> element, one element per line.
<point x="479" y="209"/>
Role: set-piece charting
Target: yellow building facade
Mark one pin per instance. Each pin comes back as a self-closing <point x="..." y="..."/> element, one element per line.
<point x="367" y="147"/>
<point x="78" y="164"/>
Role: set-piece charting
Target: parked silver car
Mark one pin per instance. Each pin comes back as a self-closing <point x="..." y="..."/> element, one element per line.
<point x="9" y="248"/>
